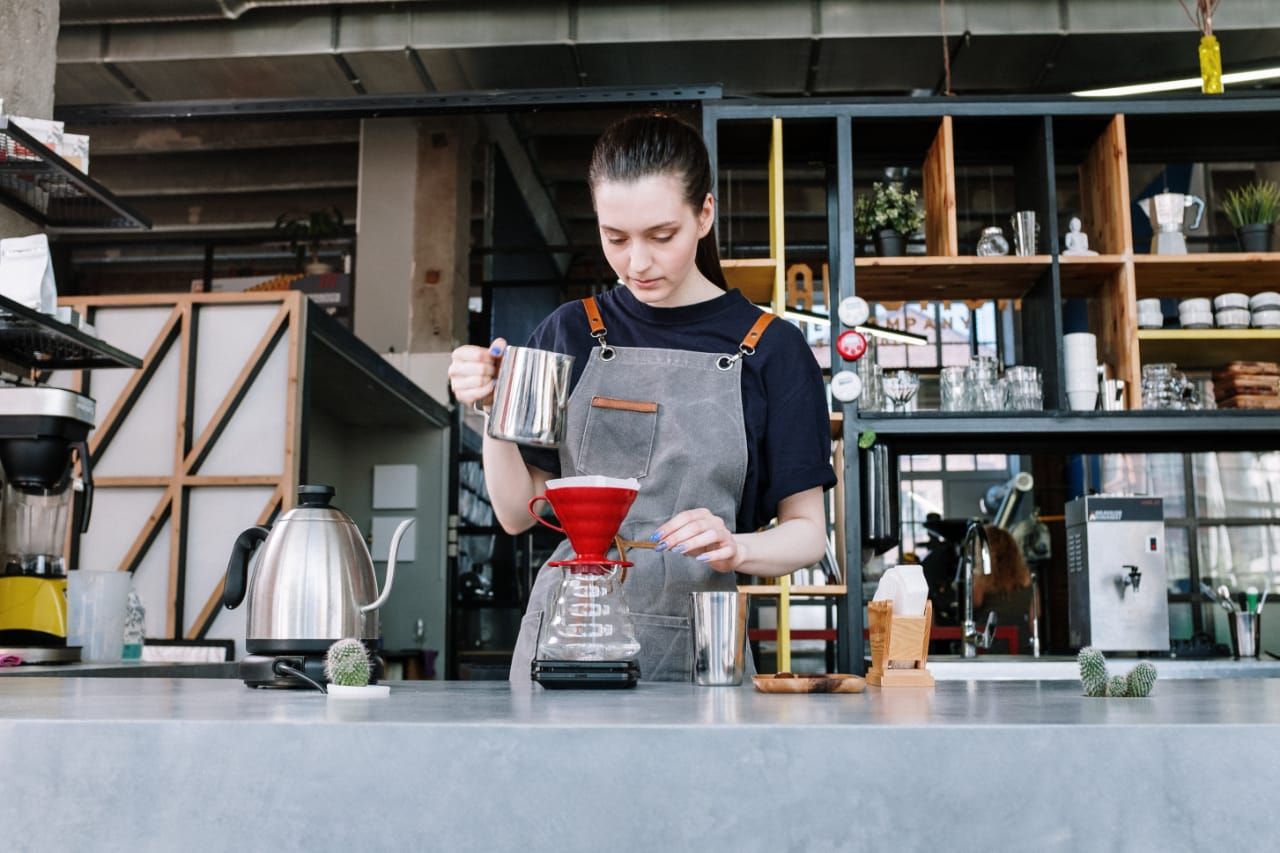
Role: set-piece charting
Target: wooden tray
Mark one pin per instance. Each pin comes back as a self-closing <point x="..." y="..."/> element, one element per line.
<point x="830" y="683"/>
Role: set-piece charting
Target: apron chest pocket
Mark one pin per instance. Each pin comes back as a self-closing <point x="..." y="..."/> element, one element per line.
<point x="618" y="438"/>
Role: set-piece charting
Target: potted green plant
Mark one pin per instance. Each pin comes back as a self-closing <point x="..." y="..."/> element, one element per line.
<point x="305" y="233"/>
<point x="346" y="665"/>
<point x="888" y="214"/>
<point x="1252" y="210"/>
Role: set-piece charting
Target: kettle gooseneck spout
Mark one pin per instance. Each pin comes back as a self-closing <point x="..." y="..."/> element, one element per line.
<point x="391" y="566"/>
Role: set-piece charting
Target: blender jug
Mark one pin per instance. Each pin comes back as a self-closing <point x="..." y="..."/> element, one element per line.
<point x="35" y="527"/>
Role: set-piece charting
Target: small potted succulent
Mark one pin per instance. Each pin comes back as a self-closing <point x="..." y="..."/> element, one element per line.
<point x="1252" y="210"/>
<point x="347" y="667"/>
<point x="889" y="214"/>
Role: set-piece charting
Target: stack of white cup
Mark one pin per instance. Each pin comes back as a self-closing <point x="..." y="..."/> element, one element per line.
<point x="1080" y="352"/>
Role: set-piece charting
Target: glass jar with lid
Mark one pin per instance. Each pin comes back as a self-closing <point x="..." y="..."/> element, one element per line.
<point x="993" y="242"/>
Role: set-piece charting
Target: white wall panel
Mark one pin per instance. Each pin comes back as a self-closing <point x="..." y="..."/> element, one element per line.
<point x="216" y="515"/>
<point x="118" y="517"/>
<point x="144" y="445"/>
<point x="133" y="330"/>
<point x="151" y="580"/>
<point x="226" y="336"/>
<point x="253" y="442"/>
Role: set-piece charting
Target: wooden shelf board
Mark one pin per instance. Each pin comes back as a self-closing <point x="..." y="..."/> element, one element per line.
<point x="1083" y="276"/>
<point x="1206" y="274"/>
<point x="837" y="425"/>
<point x="753" y="276"/>
<point x="925" y="277"/>
<point x="774" y="589"/>
<point x="1207" y="348"/>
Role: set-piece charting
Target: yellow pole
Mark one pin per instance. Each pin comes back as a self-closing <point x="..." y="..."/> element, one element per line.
<point x="777" y="243"/>
<point x="784" y="623"/>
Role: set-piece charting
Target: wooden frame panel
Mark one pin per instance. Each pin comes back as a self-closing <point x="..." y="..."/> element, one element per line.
<point x="286" y="328"/>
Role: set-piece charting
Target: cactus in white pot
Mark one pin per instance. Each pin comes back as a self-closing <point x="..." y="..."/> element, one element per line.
<point x="347" y="667"/>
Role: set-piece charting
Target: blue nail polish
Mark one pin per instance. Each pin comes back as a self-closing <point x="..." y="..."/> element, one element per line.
<point x="662" y="546"/>
<point x="495" y="349"/>
<point x="702" y="558"/>
<point x="679" y="549"/>
<point x="657" y="534"/>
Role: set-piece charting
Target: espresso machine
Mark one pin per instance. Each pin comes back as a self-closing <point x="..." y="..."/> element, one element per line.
<point x="1116" y="575"/>
<point x="43" y="431"/>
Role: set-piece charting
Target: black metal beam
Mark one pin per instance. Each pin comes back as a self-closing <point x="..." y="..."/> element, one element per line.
<point x="384" y="106"/>
<point x="1075" y="432"/>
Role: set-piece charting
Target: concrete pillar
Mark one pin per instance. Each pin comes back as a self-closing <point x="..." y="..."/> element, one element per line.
<point x="29" y="46"/>
<point x="413" y="223"/>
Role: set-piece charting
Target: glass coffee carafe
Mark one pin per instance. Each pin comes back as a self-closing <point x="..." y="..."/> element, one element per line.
<point x="35" y="528"/>
<point x="589" y="619"/>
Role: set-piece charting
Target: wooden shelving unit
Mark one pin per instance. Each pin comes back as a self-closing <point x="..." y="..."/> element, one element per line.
<point x="1084" y="277"/>
<point x="924" y="277"/>
<point x="1203" y="349"/>
<point x="1183" y="276"/>
<point x="1050" y="149"/>
<point x="755" y="277"/>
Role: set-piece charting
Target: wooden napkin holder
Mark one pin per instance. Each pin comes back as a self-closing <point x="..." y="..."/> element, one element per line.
<point x="899" y="646"/>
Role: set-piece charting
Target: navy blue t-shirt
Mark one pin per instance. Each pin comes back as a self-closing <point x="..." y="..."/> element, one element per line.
<point x="784" y="403"/>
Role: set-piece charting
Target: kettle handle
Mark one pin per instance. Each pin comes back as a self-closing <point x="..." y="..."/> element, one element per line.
<point x="391" y="567"/>
<point x="238" y="566"/>
<point x="1199" y="203"/>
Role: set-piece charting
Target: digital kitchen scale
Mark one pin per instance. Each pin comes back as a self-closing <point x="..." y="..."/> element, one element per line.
<point x="586" y="674"/>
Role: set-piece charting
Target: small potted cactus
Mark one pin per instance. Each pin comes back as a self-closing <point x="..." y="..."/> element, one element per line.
<point x="347" y="667"/>
<point x="1096" y="682"/>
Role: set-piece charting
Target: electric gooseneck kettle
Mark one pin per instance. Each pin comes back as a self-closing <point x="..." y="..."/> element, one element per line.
<point x="312" y="583"/>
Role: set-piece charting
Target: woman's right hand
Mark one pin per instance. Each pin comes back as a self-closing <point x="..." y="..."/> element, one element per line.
<point x="473" y="370"/>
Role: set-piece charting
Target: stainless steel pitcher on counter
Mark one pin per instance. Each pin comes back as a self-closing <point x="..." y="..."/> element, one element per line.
<point x="531" y="397"/>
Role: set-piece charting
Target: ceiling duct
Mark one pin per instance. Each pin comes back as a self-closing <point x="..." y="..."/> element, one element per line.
<point x="76" y="12"/>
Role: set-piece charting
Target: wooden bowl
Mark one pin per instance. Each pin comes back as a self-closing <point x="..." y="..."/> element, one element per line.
<point x="829" y="683"/>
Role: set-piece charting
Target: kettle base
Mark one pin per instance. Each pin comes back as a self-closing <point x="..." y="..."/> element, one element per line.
<point x="267" y="670"/>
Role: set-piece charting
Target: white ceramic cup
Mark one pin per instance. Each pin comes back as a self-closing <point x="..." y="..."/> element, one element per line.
<point x="96" y="605"/>
<point x="1083" y="401"/>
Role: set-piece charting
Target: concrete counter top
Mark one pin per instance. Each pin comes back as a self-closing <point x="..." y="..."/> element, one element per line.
<point x="193" y="764"/>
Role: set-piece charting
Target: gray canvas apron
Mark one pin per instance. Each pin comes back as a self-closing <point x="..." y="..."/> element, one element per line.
<point x="672" y="419"/>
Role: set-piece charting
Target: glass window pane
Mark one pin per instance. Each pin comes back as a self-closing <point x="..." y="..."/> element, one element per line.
<point x="960" y="462"/>
<point x="926" y="462"/>
<point x="1240" y="556"/>
<point x="1177" y="550"/>
<point x="1237" y="485"/>
<point x="993" y="462"/>
<point x="1147" y="474"/>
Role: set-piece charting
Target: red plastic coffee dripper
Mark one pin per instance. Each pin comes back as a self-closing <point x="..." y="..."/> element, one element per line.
<point x="592" y="516"/>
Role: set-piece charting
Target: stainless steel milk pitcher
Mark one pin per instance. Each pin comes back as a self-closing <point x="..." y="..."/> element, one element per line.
<point x="531" y="396"/>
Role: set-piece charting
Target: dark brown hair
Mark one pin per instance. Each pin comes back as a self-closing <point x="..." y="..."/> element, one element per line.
<point x="1009" y="570"/>
<point x="656" y="144"/>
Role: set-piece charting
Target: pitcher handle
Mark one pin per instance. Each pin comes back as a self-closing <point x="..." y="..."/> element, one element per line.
<point x="391" y="567"/>
<point x="1199" y="203"/>
<point x="539" y="518"/>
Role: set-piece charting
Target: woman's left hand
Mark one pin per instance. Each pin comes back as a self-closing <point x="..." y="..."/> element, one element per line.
<point x="701" y="535"/>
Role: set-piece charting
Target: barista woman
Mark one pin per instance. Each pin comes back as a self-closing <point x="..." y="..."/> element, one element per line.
<point x="681" y="383"/>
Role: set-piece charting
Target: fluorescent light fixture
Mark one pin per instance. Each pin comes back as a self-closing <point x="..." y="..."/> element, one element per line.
<point x="1177" y="85"/>
<point x="894" y="335"/>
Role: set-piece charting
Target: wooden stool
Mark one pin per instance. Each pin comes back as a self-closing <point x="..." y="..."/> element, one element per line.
<point x="898" y="640"/>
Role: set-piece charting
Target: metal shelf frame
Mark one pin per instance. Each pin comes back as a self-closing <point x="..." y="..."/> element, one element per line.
<point x="39" y="342"/>
<point x="1058" y="430"/>
<point x="49" y="191"/>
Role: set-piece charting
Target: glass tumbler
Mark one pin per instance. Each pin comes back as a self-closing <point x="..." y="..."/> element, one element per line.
<point x="953" y="387"/>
